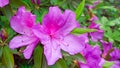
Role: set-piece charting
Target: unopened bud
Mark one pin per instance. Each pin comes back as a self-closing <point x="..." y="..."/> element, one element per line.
<point x="36" y="2"/>
<point x="3" y="34"/>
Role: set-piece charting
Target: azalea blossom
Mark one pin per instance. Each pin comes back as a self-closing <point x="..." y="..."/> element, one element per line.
<point x="111" y="53"/>
<point x="92" y="57"/>
<point x="106" y="47"/>
<point x="54" y="34"/>
<point x="4" y="3"/>
<point x="115" y="56"/>
<point x="98" y="35"/>
<point x="22" y="23"/>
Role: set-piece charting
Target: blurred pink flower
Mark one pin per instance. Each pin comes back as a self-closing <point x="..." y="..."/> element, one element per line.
<point x="22" y="23"/>
<point x="92" y="57"/>
<point x="4" y="3"/>
<point x="116" y="64"/>
<point x="112" y="51"/>
<point x="98" y="35"/>
<point x="54" y="34"/>
<point x="106" y="47"/>
<point x="114" y="54"/>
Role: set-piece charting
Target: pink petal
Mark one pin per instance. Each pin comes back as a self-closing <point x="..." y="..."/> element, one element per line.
<point x="83" y="65"/>
<point x="29" y="50"/>
<point x="84" y="37"/>
<point x="53" y="20"/>
<point x="38" y="31"/>
<point x="115" y="55"/>
<point x="97" y="35"/>
<point x="22" y="40"/>
<point x="69" y="22"/>
<point x="3" y="3"/>
<point x="52" y="52"/>
<point x="93" y="25"/>
<point x="56" y="22"/>
<point x="23" y="21"/>
<point x="106" y="47"/>
<point x="72" y="44"/>
<point x="116" y="64"/>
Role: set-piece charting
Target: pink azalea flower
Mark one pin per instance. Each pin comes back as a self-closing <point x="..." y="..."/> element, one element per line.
<point x="106" y="47"/>
<point x="22" y="23"/>
<point x="114" y="55"/>
<point x="3" y="3"/>
<point x="98" y="35"/>
<point x="54" y="34"/>
<point x="92" y="57"/>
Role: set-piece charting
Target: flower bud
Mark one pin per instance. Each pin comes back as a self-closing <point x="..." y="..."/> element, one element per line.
<point x="3" y="34"/>
<point x="36" y="1"/>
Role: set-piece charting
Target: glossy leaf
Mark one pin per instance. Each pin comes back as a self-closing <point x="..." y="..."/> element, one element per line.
<point x="79" y="9"/>
<point x="1" y="51"/>
<point x="7" y="11"/>
<point x="18" y="3"/>
<point x="59" y="64"/>
<point x="79" y="57"/>
<point x="38" y="55"/>
<point x="7" y="57"/>
<point x="82" y="30"/>
<point x="108" y="64"/>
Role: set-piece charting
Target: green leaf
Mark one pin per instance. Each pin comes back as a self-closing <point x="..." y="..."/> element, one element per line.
<point x="2" y="66"/>
<point x="7" y="11"/>
<point x="59" y="64"/>
<point x="7" y="57"/>
<point x="55" y="2"/>
<point x="38" y="55"/>
<point x="78" y="57"/>
<point x="1" y="51"/>
<point x="82" y="30"/>
<point x="18" y="3"/>
<point x="108" y="8"/>
<point x="116" y="35"/>
<point x="79" y="9"/>
<point x="70" y="58"/>
<point x="108" y="64"/>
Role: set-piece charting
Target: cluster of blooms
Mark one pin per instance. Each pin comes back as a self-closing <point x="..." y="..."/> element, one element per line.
<point x="55" y="35"/>
<point x="94" y="56"/>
